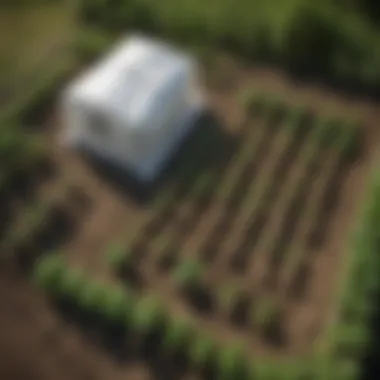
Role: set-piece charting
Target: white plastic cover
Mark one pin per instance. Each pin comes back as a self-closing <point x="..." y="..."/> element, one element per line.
<point x="133" y="104"/>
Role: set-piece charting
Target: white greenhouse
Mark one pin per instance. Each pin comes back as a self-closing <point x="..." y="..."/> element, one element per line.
<point x="135" y="106"/>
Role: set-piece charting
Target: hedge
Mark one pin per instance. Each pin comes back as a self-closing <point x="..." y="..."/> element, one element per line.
<point x="350" y="336"/>
<point x="316" y="37"/>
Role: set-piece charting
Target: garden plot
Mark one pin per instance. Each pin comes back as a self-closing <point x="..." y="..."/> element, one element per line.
<point x="235" y="258"/>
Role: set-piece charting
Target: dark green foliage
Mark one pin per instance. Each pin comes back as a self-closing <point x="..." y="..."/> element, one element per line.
<point x="351" y="335"/>
<point x="118" y="307"/>
<point x="178" y="334"/>
<point x="72" y="283"/>
<point x="90" y="44"/>
<point x="149" y="314"/>
<point x="49" y="272"/>
<point x="93" y="297"/>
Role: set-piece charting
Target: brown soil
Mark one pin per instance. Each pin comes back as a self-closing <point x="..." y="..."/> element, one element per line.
<point x="38" y="344"/>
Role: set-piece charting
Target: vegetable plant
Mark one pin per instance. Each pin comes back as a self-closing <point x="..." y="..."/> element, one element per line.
<point x="118" y="306"/>
<point x="188" y="274"/>
<point x="149" y="315"/>
<point x="93" y="298"/>
<point x="232" y="362"/>
<point x="178" y="334"/>
<point x="49" y="271"/>
<point x="118" y="256"/>
<point x="202" y="351"/>
<point x="227" y="295"/>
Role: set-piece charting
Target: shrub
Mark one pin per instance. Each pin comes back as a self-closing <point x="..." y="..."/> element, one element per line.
<point x="49" y="271"/>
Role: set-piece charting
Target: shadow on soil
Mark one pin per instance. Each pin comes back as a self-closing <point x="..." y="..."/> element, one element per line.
<point x="207" y="130"/>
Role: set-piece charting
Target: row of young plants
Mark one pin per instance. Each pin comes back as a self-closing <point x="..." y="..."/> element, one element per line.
<point x="188" y="276"/>
<point x="146" y="316"/>
<point x="344" y="134"/>
<point x="350" y="338"/>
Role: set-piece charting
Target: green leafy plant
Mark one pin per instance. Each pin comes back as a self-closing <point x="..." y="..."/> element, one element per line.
<point x="178" y="334"/>
<point x="232" y="362"/>
<point x="327" y="130"/>
<point x="92" y="297"/>
<point x="266" y="314"/>
<point x="227" y="295"/>
<point x="73" y="282"/>
<point x="188" y="274"/>
<point x="348" y="143"/>
<point x="118" y="307"/>
<point x="294" y="118"/>
<point x="149" y="314"/>
<point x="203" y="351"/>
<point x="49" y="271"/>
<point x="118" y="256"/>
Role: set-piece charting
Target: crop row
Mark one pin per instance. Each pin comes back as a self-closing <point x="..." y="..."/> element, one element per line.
<point x="332" y="130"/>
<point x="157" y="329"/>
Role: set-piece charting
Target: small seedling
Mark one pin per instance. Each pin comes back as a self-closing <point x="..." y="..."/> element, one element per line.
<point x="232" y="362"/>
<point x="178" y="334"/>
<point x="149" y="314"/>
<point x="294" y="118"/>
<point x="202" y="350"/>
<point x="49" y="271"/>
<point x="188" y="274"/>
<point x="72" y="283"/>
<point x="227" y="296"/>
<point x="265" y="314"/>
<point x="118" y="305"/>
<point x="92" y="297"/>
<point x="349" y="139"/>
<point x="118" y="256"/>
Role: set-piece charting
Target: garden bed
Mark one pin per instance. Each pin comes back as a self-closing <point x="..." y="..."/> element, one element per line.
<point x="243" y="241"/>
